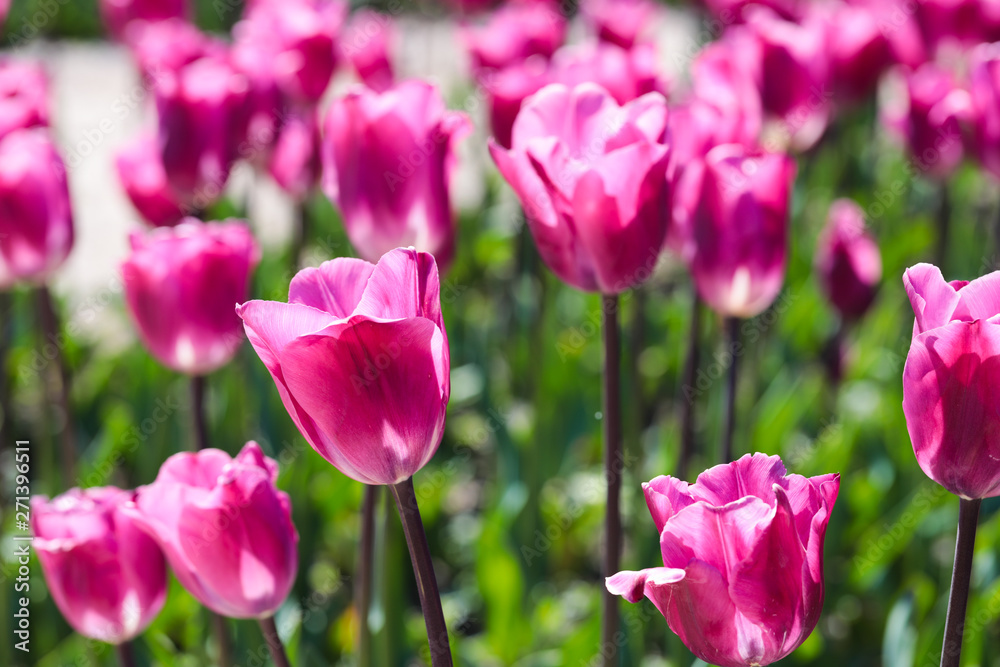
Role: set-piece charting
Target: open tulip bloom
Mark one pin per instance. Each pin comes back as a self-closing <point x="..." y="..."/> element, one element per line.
<point x="742" y="576"/>
<point x="359" y="355"/>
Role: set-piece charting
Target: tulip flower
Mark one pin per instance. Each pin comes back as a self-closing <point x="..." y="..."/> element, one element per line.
<point x="721" y="589"/>
<point x="163" y="47"/>
<point x="225" y="528"/>
<point x="985" y="113"/>
<point x="295" y="163"/>
<point x="859" y="50"/>
<point x="619" y="22"/>
<point x="627" y="75"/>
<point x="507" y="89"/>
<point x="180" y="284"/>
<point x="144" y="180"/>
<point x="118" y="14"/>
<point x="201" y="124"/>
<point x="367" y="45"/>
<point x="720" y="77"/>
<point x="107" y="576"/>
<point x="848" y="260"/>
<point x="514" y="33"/>
<point x="388" y="160"/>
<point x="951" y="26"/>
<point x="36" y="220"/>
<point x="360" y="357"/>
<point x="24" y="96"/>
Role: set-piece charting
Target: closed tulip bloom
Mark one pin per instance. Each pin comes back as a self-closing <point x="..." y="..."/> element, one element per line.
<point x="508" y="88"/>
<point x="859" y="50"/>
<point x="107" y="576"/>
<point x="141" y="174"/>
<point x="740" y="229"/>
<point x="180" y="286"/>
<point x="985" y="91"/>
<point x="294" y="163"/>
<point x="722" y="78"/>
<point x="514" y="33"/>
<point x="36" y="220"/>
<point x="388" y="161"/>
<point x="742" y="576"/>
<point x="591" y="176"/>
<point x="118" y="14"/>
<point x="360" y="358"/>
<point x="626" y="74"/>
<point x="367" y="45"/>
<point x="162" y="47"/>
<point x="202" y="122"/>
<point x="848" y="260"/>
<point x="225" y="528"/>
<point x="24" y="96"/>
<point x="950" y="380"/>
<point x="620" y="22"/>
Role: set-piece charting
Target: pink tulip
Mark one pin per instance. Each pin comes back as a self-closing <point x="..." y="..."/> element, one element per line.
<point x="733" y="11"/>
<point x="591" y="176"/>
<point x="899" y="28"/>
<point x="507" y="89"/>
<point x="202" y="121"/>
<point x="360" y="358"/>
<point x="388" y="160"/>
<point x="118" y="14"/>
<point x="180" y="284"/>
<point x="141" y="174"/>
<point x="225" y="528"/>
<point x="741" y="229"/>
<point x="514" y="33"/>
<point x="950" y="380"/>
<point x="107" y="577"/>
<point x="620" y="22"/>
<point x="162" y="47"/>
<point x="627" y="75"/>
<point x="24" y="96"/>
<point x="36" y="219"/>
<point x="367" y="45"/>
<point x="742" y="576"/>
<point x="859" y="50"/>
<point x="956" y="25"/>
<point x="985" y="112"/>
<point x="295" y="162"/>
<point x="929" y="114"/>
<point x="848" y="260"/>
<point x="266" y="106"/>
<point x="721" y="76"/>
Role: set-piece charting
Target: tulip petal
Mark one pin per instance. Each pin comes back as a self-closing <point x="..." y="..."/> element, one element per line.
<point x="721" y="536"/>
<point x="632" y="585"/>
<point x="403" y="284"/>
<point x="980" y="299"/>
<point x="334" y="287"/>
<point x="933" y="300"/>
<point x="665" y="496"/>
<point x="751" y="475"/>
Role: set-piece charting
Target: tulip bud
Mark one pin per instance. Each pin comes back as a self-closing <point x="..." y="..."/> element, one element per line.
<point x="163" y="47"/>
<point x="627" y="75"/>
<point x="387" y="163"/>
<point x="225" y="528"/>
<point x="295" y="163"/>
<point x="859" y="51"/>
<point x="118" y="14"/>
<point x="619" y="22"/>
<point x="740" y="229"/>
<point x="141" y="174"/>
<point x="514" y="33"/>
<point x="24" y="96"/>
<point x="950" y="380"/>
<point x="591" y="176"/>
<point x="848" y="260"/>
<point x="36" y="220"/>
<point x="367" y="45"/>
<point x="360" y="358"/>
<point x="107" y="576"/>
<point x="742" y="576"/>
<point x="180" y="284"/>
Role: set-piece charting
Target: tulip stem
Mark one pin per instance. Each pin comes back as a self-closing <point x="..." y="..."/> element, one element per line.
<point x="733" y="344"/>
<point x="274" y="644"/>
<point x="612" y="472"/>
<point x="943" y="220"/>
<point x="423" y="570"/>
<point x="49" y="321"/>
<point x="688" y="389"/>
<point x="965" y="542"/>
<point x="198" y="412"/>
<point x="222" y="638"/>
<point x="299" y="234"/>
<point x="366" y="560"/>
<point x="125" y="656"/>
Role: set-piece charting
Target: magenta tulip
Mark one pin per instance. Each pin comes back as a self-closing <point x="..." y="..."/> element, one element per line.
<point x="24" y="96"/>
<point x="985" y="114"/>
<point x="36" y="219"/>
<point x="740" y="229"/>
<point x="201" y="124"/>
<point x="107" y="576"/>
<point x="118" y="14"/>
<point x="367" y="44"/>
<point x="514" y="33"/>
<point x="859" y="50"/>
<point x="388" y="160"/>
<point x="507" y="89"/>
<point x="360" y="358"/>
<point x="620" y="22"/>
<point x="722" y="78"/>
<point x="166" y="46"/>
<point x="225" y="528"/>
<point x="180" y="285"/>
<point x="141" y="174"/>
<point x="950" y="380"/>
<point x="626" y="74"/>
<point x="295" y="163"/>
<point x="742" y="576"/>
<point x="848" y="260"/>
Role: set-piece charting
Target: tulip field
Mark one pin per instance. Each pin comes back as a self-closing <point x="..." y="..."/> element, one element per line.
<point x="529" y="333"/>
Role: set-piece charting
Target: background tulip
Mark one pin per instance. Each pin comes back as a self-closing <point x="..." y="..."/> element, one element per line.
<point x="387" y="164"/>
<point x="163" y="47"/>
<point x="180" y="284"/>
<point x="141" y="174"/>
<point x="106" y="575"/>
<point x="741" y="229"/>
<point x="985" y="113"/>
<point x="859" y="50"/>
<point x="225" y="528"/>
<point x="367" y="44"/>
<point x="626" y="74"/>
<point x="36" y="220"/>
<point x="848" y="260"/>
<point x="360" y="358"/>
<point x="118" y="14"/>
<point x="596" y="204"/>
<point x="24" y="96"/>
<point x="619" y="22"/>
<point x="295" y="163"/>
<point x="720" y="538"/>
<point x="507" y="89"/>
<point x="514" y="33"/>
